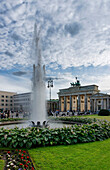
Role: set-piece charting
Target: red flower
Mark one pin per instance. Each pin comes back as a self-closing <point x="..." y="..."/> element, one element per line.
<point x="16" y="149"/>
<point x="27" y="157"/>
<point x="32" y="168"/>
<point x="26" y="165"/>
<point x="22" y="154"/>
<point x="20" y="164"/>
<point x="21" y="157"/>
<point x="20" y="150"/>
<point x="28" y="162"/>
<point x="8" y="152"/>
<point x="24" y="151"/>
<point x="19" y="153"/>
<point x="24" y="160"/>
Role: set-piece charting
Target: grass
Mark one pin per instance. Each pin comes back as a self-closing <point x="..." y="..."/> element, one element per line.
<point x="87" y="156"/>
<point x="2" y="164"/>
<point x="98" y="117"/>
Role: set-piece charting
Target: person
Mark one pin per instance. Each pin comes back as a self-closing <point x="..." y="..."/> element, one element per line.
<point x="73" y="113"/>
<point x="17" y="114"/>
<point x="67" y="112"/>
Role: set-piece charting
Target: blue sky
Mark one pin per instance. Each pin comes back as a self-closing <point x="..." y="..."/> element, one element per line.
<point x="75" y="38"/>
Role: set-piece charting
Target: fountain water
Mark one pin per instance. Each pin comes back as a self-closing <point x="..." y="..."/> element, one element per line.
<point x="38" y="91"/>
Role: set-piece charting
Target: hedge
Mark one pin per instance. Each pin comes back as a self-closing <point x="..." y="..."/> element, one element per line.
<point x="77" y="119"/>
<point x="34" y="137"/>
<point x="104" y="112"/>
<point x="11" y="119"/>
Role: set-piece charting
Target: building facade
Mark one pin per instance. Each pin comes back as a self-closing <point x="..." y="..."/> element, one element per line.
<point x="22" y="102"/>
<point x="6" y="100"/>
<point x="100" y="101"/>
<point x="52" y="105"/>
<point x="82" y="98"/>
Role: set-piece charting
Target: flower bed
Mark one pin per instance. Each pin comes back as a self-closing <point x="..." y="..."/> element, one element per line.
<point x="17" y="160"/>
<point x="34" y="137"/>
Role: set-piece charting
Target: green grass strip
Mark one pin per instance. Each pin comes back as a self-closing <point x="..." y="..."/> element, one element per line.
<point x="97" y="117"/>
<point x="87" y="156"/>
<point x="2" y="164"/>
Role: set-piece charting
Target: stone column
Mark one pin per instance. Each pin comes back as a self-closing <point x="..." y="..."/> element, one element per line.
<point x="95" y="105"/>
<point x="70" y="103"/>
<point x="85" y="102"/>
<point x="102" y="104"/>
<point x="78" y="103"/>
<point x="59" y="103"/>
<point x="91" y="105"/>
<point x="108" y="103"/>
<point x="64" y="103"/>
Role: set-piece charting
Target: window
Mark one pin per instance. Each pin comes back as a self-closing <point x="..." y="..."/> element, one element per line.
<point x="99" y="101"/>
<point x="6" y="104"/>
<point x="11" y="97"/>
<point x="82" y="97"/>
<point x="2" y="100"/>
<point x="6" y="96"/>
<point x="10" y="100"/>
<point x="6" y="100"/>
<point x="2" y="95"/>
<point x="2" y="104"/>
<point x="10" y="104"/>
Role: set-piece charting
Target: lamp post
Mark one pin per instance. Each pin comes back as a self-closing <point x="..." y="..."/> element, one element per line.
<point x="50" y="85"/>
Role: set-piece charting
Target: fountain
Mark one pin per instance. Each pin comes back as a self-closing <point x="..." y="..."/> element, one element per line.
<point x="38" y="91"/>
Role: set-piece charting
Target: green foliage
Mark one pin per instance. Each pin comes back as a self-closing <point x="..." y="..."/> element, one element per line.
<point x="77" y="119"/>
<point x="33" y="137"/>
<point x="11" y="119"/>
<point x="104" y="112"/>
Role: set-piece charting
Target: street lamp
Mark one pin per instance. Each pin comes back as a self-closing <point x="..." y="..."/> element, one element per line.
<point x="50" y="85"/>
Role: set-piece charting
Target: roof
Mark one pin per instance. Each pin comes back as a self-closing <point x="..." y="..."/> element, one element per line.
<point x="100" y="95"/>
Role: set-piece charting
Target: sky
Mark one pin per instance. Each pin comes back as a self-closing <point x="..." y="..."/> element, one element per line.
<point x="75" y="41"/>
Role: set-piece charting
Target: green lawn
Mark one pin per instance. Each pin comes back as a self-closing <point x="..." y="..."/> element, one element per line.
<point x="2" y="164"/>
<point x="97" y="117"/>
<point x="87" y="156"/>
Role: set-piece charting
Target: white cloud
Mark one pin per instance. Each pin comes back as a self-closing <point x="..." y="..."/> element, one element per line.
<point x="74" y="34"/>
<point x="19" y="85"/>
<point x="91" y="17"/>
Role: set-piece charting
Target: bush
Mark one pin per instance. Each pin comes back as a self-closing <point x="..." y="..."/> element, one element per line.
<point x="77" y="119"/>
<point x="104" y="112"/>
<point x="34" y="137"/>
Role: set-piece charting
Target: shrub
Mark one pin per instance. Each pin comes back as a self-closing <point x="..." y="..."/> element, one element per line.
<point x="34" y="137"/>
<point x="104" y="112"/>
<point x="77" y="119"/>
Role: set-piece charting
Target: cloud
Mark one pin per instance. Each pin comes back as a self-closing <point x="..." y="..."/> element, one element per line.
<point x="72" y="28"/>
<point x="19" y="73"/>
<point x="73" y="35"/>
<point x="19" y="85"/>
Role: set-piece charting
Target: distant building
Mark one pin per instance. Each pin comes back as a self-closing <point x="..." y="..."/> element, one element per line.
<point x="53" y="104"/>
<point x="6" y="100"/>
<point x="22" y="102"/>
<point x="100" y="101"/>
<point x="82" y="98"/>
